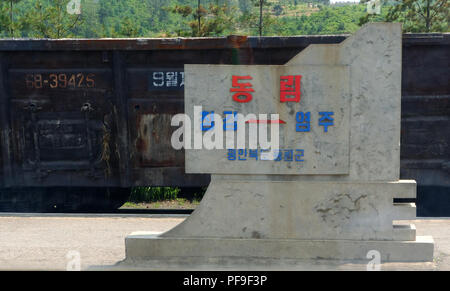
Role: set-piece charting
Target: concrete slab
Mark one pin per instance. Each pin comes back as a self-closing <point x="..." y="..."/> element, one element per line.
<point x="189" y="252"/>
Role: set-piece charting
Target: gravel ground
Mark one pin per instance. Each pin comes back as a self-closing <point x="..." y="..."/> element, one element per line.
<point x="31" y="242"/>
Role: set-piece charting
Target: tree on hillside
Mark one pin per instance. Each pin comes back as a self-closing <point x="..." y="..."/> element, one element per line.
<point x="52" y="20"/>
<point x="261" y="4"/>
<point x="7" y="20"/>
<point x="277" y="10"/>
<point x="259" y="18"/>
<point x="244" y="6"/>
<point x="421" y="15"/>
<point x="210" y="21"/>
<point x="90" y="20"/>
<point x="416" y="15"/>
<point x="128" y="28"/>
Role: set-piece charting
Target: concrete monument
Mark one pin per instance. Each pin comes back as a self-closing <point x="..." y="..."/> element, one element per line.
<point x="328" y="191"/>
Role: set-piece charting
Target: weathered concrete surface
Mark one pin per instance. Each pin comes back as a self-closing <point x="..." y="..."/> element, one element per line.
<point x="148" y="246"/>
<point x="301" y="210"/>
<point x="374" y="54"/>
<point x="296" y="220"/>
<point x="438" y="228"/>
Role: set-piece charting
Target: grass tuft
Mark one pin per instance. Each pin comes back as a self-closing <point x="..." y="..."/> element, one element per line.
<point x="153" y="194"/>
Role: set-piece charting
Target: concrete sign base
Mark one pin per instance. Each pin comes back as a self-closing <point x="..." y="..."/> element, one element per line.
<point x="142" y="248"/>
<point x="336" y="200"/>
<point x="277" y="220"/>
<point x="301" y="210"/>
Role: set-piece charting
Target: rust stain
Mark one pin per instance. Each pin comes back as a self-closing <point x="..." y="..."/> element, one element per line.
<point x="152" y="143"/>
<point x="141" y="143"/>
<point x="236" y="41"/>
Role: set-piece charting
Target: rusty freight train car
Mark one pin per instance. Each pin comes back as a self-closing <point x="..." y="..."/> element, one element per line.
<point x="82" y="121"/>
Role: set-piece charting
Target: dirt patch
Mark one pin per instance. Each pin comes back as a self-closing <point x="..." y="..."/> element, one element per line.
<point x="166" y="204"/>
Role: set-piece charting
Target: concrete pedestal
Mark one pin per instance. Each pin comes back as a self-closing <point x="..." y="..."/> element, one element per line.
<point x="239" y="222"/>
<point x="156" y="252"/>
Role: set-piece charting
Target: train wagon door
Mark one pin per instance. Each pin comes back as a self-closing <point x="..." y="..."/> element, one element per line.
<point x="152" y="102"/>
<point x="63" y="119"/>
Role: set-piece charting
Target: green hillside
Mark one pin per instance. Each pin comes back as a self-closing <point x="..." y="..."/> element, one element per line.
<point x="170" y="18"/>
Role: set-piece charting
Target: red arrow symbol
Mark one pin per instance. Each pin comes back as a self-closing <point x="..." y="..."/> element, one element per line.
<point x="279" y="121"/>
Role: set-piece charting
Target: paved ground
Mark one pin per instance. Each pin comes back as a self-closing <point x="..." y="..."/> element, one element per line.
<point x="30" y="242"/>
<point x="42" y="243"/>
